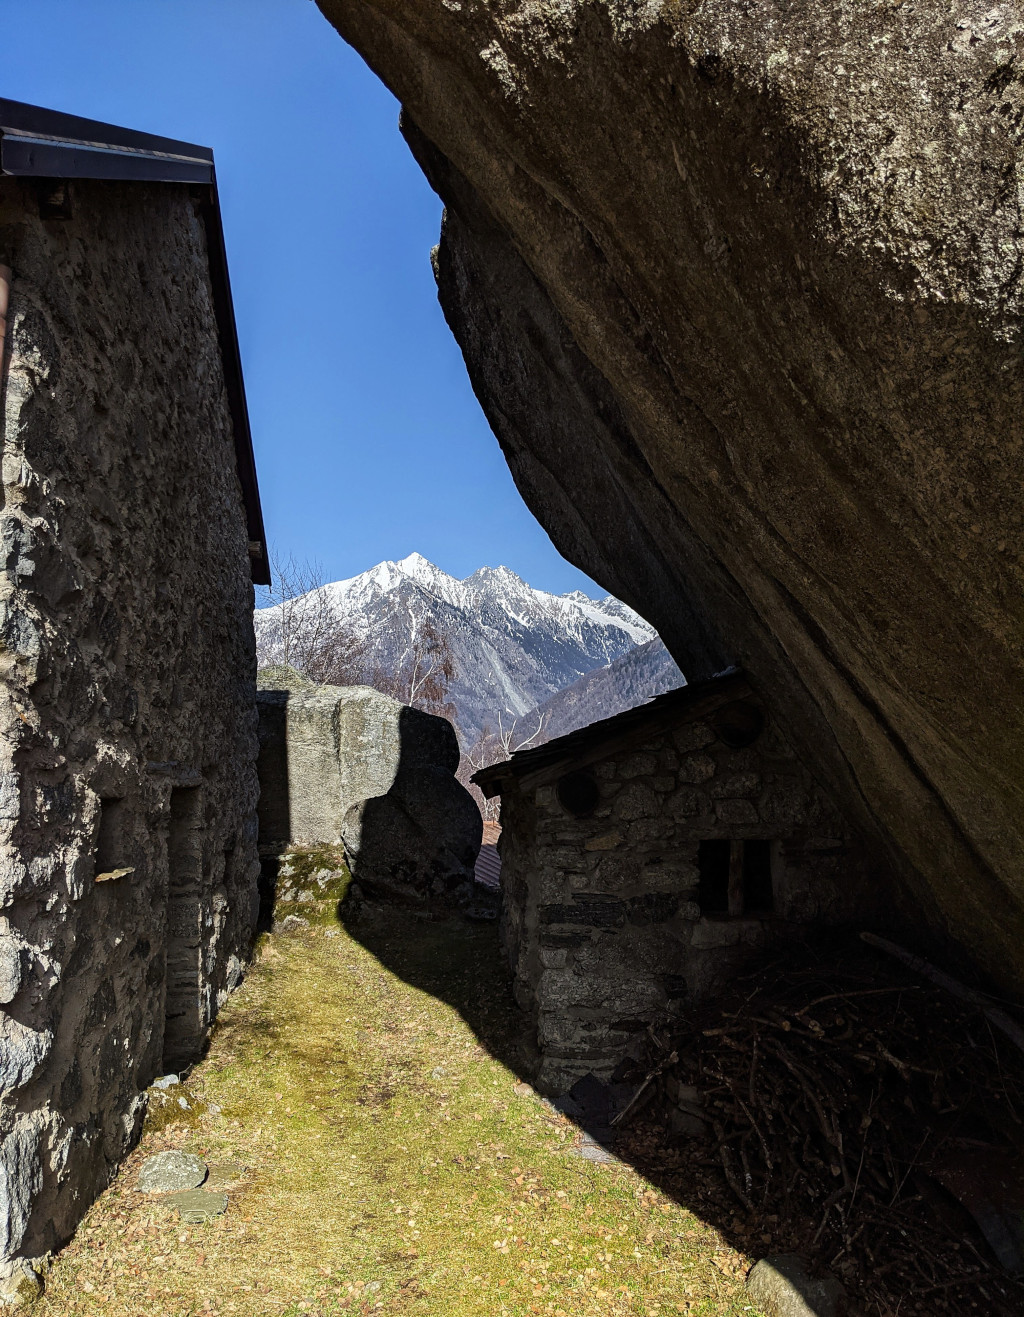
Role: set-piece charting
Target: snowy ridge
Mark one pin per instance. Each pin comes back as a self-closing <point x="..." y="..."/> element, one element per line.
<point x="513" y="646"/>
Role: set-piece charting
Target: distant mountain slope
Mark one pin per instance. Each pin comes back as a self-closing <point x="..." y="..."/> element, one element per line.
<point x="632" y="679"/>
<point x="513" y="646"/>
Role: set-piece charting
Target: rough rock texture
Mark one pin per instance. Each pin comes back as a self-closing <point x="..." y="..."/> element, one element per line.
<point x="171" y="1172"/>
<point x="782" y="1287"/>
<point x="346" y="763"/>
<point x="739" y="288"/>
<point x="609" y="920"/>
<point x="128" y="855"/>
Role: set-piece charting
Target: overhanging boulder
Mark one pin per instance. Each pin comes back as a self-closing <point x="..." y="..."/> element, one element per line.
<point x="739" y="288"/>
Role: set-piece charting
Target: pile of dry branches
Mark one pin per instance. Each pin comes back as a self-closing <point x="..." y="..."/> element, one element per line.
<point x="857" y="1109"/>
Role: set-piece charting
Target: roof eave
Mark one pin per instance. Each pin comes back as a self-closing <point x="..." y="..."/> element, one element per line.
<point x="40" y="143"/>
<point x="588" y="744"/>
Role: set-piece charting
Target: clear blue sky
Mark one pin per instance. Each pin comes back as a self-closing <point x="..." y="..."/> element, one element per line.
<point x="369" y="441"/>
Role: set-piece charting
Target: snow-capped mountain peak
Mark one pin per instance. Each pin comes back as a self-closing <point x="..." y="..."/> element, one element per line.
<point x="513" y="646"/>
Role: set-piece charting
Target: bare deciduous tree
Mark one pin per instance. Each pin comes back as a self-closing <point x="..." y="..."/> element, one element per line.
<point x="482" y="753"/>
<point x="307" y="631"/>
<point x="425" y="675"/>
<point x="494" y="748"/>
<point x="512" y="740"/>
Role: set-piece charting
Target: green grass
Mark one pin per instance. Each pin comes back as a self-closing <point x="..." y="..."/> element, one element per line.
<point x="366" y="1076"/>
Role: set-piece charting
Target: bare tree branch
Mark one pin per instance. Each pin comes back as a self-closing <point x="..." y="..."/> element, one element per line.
<point x="306" y="630"/>
<point x="423" y="678"/>
<point x="507" y="737"/>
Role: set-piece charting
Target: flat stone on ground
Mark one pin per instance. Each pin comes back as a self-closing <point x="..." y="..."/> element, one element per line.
<point x="198" y="1206"/>
<point x="782" y="1287"/>
<point x="170" y="1172"/>
<point x="224" y="1174"/>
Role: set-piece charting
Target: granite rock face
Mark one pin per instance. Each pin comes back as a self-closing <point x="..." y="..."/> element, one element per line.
<point x="346" y="763"/>
<point x="739" y="289"/>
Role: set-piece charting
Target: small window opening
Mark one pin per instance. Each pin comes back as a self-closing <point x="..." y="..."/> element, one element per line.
<point x="184" y="1014"/>
<point x="738" y="724"/>
<point x="578" y="793"/>
<point x="735" y="877"/>
<point x="758" y="894"/>
<point x="110" y="838"/>
<point x="713" y="865"/>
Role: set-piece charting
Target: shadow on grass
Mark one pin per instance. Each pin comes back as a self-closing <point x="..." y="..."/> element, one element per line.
<point x="456" y="960"/>
<point x="460" y="963"/>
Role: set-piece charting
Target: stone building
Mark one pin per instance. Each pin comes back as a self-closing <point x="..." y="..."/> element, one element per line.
<point x="130" y="537"/>
<point x="643" y="857"/>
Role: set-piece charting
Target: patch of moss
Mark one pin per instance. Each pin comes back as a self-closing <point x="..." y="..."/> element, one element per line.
<point x="164" y="1109"/>
<point x="320" y="871"/>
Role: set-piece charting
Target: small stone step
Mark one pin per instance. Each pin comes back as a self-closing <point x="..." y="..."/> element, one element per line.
<point x="198" y="1206"/>
<point x="170" y="1172"/>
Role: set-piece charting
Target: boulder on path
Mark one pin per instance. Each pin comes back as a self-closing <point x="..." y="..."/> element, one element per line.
<point x="782" y="1287"/>
<point x="348" y="764"/>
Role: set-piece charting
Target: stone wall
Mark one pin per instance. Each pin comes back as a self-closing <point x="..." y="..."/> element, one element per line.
<point x="127" y="724"/>
<point x="602" y="920"/>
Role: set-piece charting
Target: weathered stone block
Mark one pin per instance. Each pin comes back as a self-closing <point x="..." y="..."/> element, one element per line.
<point x="358" y="766"/>
<point x="696" y="768"/>
<point x="635" y="801"/>
<point x="690" y="805"/>
<point x="592" y="910"/>
<point x="639" y="764"/>
<point x="607" y="841"/>
<point x="735" y="785"/>
<point x="652" y="908"/>
<point x="692" y="736"/>
<point x="737" y="814"/>
<point x="567" y="859"/>
<point x="646" y="831"/>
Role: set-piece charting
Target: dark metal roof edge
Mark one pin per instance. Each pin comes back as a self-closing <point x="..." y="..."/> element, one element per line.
<point x="234" y="383"/>
<point x="73" y="130"/>
<point x="36" y="142"/>
<point x="575" y="743"/>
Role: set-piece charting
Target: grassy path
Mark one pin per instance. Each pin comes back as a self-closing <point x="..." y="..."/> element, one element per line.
<point x="396" y="1164"/>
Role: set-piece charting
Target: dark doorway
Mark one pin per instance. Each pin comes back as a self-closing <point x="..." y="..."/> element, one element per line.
<point x="713" y="865"/>
<point x="184" y="1016"/>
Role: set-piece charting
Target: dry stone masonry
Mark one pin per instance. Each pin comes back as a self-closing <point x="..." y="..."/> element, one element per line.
<point x="644" y="857"/>
<point x="128" y="857"/>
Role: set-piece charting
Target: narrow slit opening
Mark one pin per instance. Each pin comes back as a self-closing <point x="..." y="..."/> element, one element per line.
<point x="184" y="1017"/>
